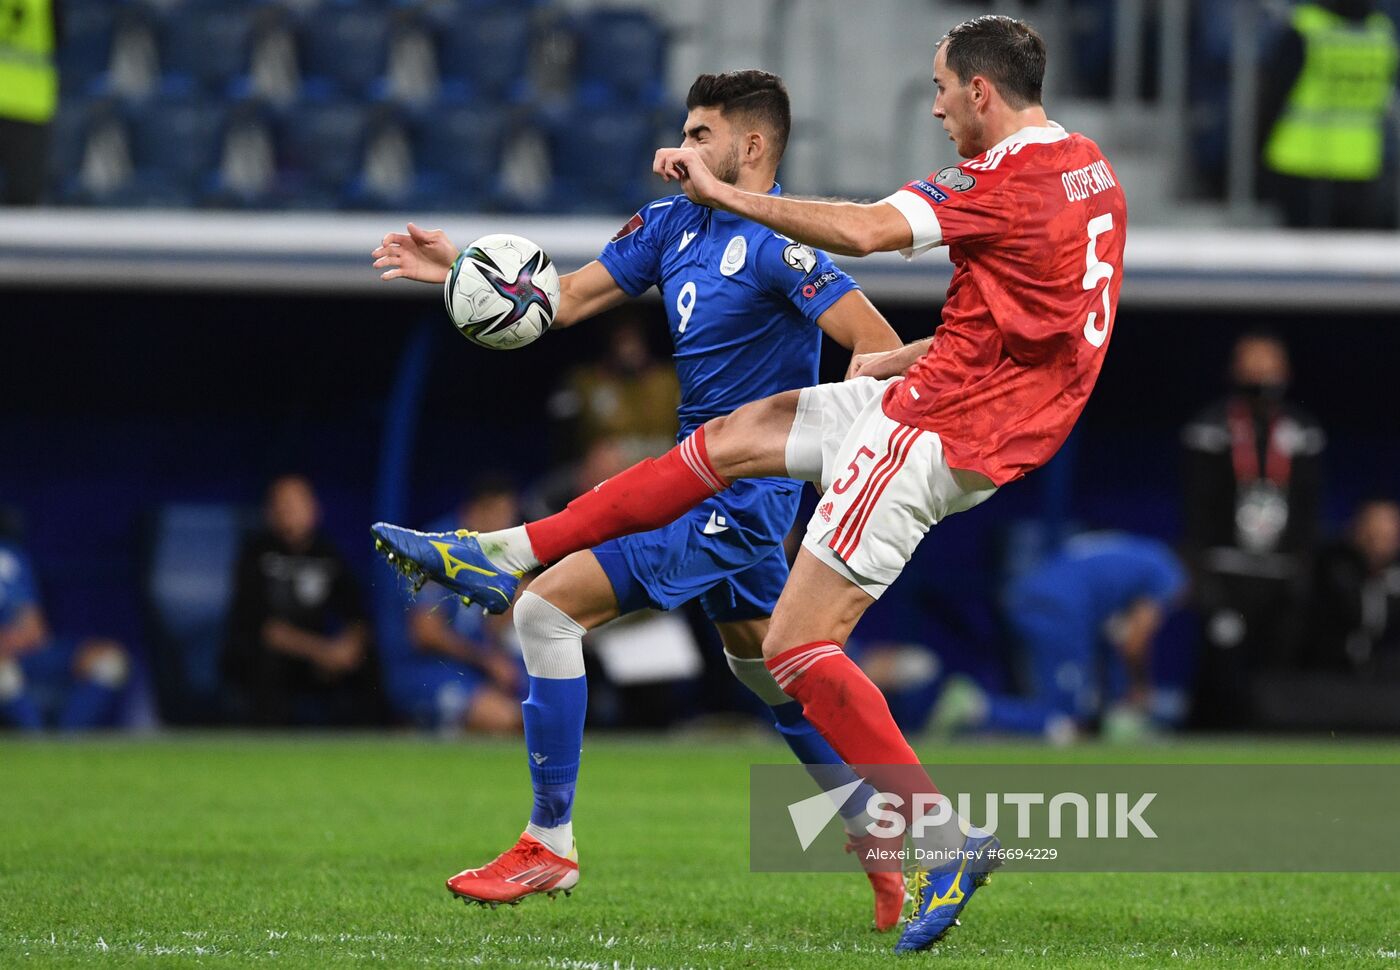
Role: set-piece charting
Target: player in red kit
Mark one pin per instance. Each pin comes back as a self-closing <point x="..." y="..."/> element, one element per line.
<point x="1035" y="223"/>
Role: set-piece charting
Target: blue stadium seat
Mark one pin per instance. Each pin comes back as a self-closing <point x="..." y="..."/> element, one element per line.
<point x="67" y="142"/>
<point x="621" y="58"/>
<point x="88" y="28"/>
<point x="206" y="45"/>
<point x="600" y="159"/>
<point x="320" y="147"/>
<point x="344" y="50"/>
<point x="458" y="150"/>
<point x="194" y="549"/>
<point x="488" y="55"/>
<point x="176" y="142"/>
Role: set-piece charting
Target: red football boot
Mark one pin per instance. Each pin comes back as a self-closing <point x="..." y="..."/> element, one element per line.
<point x="886" y="879"/>
<point x="527" y="868"/>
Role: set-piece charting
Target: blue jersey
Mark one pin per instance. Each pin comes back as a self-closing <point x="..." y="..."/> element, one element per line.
<point x="1098" y="575"/>
<point x="742" y="301"/>
<point x="17" y="590"/>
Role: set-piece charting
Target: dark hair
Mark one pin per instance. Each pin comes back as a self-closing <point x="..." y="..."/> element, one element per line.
<point x="1007" y="52"/>
<point x="490" y="484"/>
<point x="755" y="95"/>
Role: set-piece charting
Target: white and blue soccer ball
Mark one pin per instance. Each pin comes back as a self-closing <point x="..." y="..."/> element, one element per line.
<point x="503" y="292"/>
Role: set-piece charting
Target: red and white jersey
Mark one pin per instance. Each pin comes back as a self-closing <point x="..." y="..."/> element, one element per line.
<point x="1035" y="228"/>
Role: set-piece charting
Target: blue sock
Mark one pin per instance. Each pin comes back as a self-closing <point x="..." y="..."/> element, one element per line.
<point x="823" y="763"/>
<point x="89" y="705"/>
<point x="21" y="712"/>
<point x="554" y="740"/>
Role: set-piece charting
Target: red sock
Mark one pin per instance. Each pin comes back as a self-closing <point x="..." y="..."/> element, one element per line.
<point x="851" y="713"/>
<point x="646" y="496"/>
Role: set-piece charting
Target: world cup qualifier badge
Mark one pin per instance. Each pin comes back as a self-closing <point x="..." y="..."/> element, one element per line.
<point x="800" y="257"/>
<point x="954" y="178"/>
<point x="631" y="226"/>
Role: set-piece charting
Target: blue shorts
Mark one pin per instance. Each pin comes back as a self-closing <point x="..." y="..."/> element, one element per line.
<point x="728" y="551"/>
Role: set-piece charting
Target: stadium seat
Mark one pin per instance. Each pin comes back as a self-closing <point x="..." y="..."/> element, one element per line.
<point x="621" y="58"/>
<point x="386" y="179"/>
<point x="68" y="135"/>
<point x="600" y="158"/>
<point x="205" y="46"/>
<point x="189" y="584"/>
<point x="489" y="61"/>
<point x="86" y="52"/>
<point x="320" y="148"/>
<point x="176" y="142"/>
<point x="344" y="50"/>
<point x="458" y="150"/>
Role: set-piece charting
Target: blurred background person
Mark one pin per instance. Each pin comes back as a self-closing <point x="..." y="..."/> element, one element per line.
<point x="1083" y="622"/>
<point x="70" y="683"/>
<point x="298" y="648"/>
<point x="1325" y="95"/>
<point x="1356" y="603"/>
<point x="1253" y="490"/>
<point x="629" y="397"/>
<point x="458" y="669"/>
<point x="29" y="32"/>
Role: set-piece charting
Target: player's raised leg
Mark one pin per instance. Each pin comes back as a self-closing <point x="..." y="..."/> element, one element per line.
<point x="550" y="619"/>
<point x="485" y="568"/>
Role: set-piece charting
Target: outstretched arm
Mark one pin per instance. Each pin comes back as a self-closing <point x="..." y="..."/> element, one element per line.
<point x="427" y="255"/>
<point x="586" y="293"/>
<point x="848" y="228"/>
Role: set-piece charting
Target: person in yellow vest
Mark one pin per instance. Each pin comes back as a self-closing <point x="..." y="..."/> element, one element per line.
<point x="29" y="32"/>
<point x="1326" y="92"/>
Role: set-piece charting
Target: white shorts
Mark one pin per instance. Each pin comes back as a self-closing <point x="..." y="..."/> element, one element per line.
<point x="884" y="483"/>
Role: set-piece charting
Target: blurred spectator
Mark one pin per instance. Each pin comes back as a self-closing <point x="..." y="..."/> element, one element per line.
<point x="1325" y="93"/>
<point x="298" y="642"/>
<point x="602" y="459"/>
<point x="1356" y="606"/>
<point x="29" y="32"/>
<point x="1084" y="621"/>
<point x="461" y="673"/>
<point x="1253" y="491"/>
<point x="629" y="397"/>
<point x="66" y="682"/>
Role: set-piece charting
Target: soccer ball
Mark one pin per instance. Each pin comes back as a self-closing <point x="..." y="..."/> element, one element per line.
<point x="502" y="292"/>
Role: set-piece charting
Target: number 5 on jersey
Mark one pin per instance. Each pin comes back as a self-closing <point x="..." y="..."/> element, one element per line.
<point x="1097" y="271"/>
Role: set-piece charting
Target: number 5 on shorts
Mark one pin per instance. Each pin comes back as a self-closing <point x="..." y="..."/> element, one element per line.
<point x="854" y="467"/>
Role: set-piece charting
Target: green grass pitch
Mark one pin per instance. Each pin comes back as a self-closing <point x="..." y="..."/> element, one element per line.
<point x="286" y="852"/>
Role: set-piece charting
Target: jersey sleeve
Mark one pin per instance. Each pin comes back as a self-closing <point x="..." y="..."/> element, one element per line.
<point x="633" y="256"/>
<point x="954" y="205"/>
<point x="805" y="277"/>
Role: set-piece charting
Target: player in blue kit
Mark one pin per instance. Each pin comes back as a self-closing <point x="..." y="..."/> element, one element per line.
<point x="746" y="309"/>
<point x="69" y="683"/>
<point x="1084" y="620"/>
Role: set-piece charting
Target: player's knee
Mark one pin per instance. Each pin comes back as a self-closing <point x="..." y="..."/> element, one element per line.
<point x="11" y="681"/>
<point x="752" y="441"/>
<point x="103" y="662"/>
<point x="550" y="640"/>
<point x="774" y="645"/>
